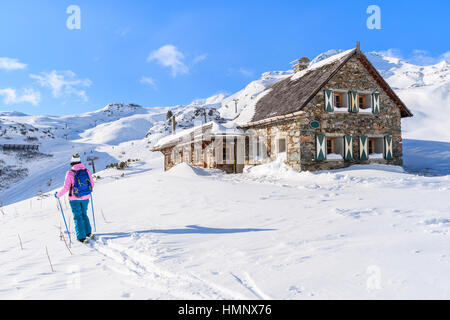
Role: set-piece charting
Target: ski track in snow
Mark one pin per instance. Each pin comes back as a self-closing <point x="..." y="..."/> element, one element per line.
<point x="248" y="283"/>
<point x="176" y="285"/>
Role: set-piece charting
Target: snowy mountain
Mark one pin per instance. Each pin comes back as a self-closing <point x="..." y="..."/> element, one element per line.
<point x="11" y="114"/>
<point x="426" y="92"/>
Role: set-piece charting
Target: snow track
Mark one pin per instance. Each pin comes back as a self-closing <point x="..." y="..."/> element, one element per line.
<point x="173" y="286"/>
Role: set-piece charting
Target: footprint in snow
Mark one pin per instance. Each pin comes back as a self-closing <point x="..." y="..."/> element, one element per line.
<point x="296" y="290"/>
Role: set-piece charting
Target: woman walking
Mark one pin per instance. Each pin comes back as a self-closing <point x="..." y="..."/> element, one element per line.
<point x="79" y="184"/>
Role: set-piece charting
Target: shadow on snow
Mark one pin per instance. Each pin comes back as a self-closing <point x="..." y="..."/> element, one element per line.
<point x="188" y="230"/>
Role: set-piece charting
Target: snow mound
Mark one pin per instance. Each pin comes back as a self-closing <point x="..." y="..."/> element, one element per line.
<point x="274" y="169"/>
<point x="185" y="170"/>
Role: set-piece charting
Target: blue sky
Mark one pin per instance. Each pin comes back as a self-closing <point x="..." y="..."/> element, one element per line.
<point x="161" y="53"/>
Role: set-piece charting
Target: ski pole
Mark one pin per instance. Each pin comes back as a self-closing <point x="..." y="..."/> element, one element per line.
<point x="93" y="214"/>
<point x="64" y="218"/>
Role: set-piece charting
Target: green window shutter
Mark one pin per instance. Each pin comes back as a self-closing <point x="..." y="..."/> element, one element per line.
<point x="376" y="102"/>
<point x="363" y="148"/>
<point x="321" y="147"/>
<point x="349" y="99"/>
<point x="353" y="102"/>
<point x="348" y="147"/>
<point x="388" y="153"/>
<point x="328" y="100"/>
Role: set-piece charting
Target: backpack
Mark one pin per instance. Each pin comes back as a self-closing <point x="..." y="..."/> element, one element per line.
<point x="82" y="184"/>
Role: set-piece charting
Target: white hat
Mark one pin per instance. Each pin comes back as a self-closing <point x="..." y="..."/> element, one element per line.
<point x="75" y="158"/>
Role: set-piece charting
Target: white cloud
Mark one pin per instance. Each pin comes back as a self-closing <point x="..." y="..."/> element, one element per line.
<point x="124" y="31"/>
<point x="246" y="73"/>
<point x="10" y="96"/>
<point x="199" y="58"/>
<point x="63" y="83"/>
<point x="11" y="64"/>
<point x="169" y="56"/>
<point x="149" y="81"/>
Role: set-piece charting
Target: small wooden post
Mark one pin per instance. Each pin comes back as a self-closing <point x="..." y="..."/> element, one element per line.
<point x="20" y="241"/>
<point x="48" y="256"/>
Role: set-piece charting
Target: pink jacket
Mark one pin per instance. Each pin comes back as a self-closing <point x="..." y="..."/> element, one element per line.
<point x="69" y="182"/>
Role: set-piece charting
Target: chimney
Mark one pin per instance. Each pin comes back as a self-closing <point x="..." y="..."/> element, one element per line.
<point x="300" y="64"/>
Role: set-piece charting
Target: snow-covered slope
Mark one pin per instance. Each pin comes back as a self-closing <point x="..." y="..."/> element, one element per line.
<point x="278" y="234"/>
<point x="94" y="134"/>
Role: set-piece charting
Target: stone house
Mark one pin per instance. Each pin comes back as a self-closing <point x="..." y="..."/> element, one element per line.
<point x="329" y="115"/>
<point x="211" y="145"/>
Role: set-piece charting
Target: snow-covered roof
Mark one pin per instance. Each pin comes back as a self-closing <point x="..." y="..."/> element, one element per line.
<point x="291" y="95"/>
<point x="212" y="128"/>
<point x="320" y="64"/>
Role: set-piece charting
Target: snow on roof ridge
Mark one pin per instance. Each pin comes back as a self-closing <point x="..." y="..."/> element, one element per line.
<point x="248" y="112"/>
<point x="321" y="63"/>
<point x="216" y="129"/>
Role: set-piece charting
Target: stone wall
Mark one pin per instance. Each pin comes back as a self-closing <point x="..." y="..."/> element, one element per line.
<point x="211" y="149"/>
<point x="270" y="133"/>
<point x="301" y="137"/>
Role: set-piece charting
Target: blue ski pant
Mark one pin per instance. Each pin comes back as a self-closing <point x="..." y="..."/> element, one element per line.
<point x="82" y="224"/>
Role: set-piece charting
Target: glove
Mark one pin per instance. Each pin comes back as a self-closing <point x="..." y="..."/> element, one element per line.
<point x="56" y="195"/>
